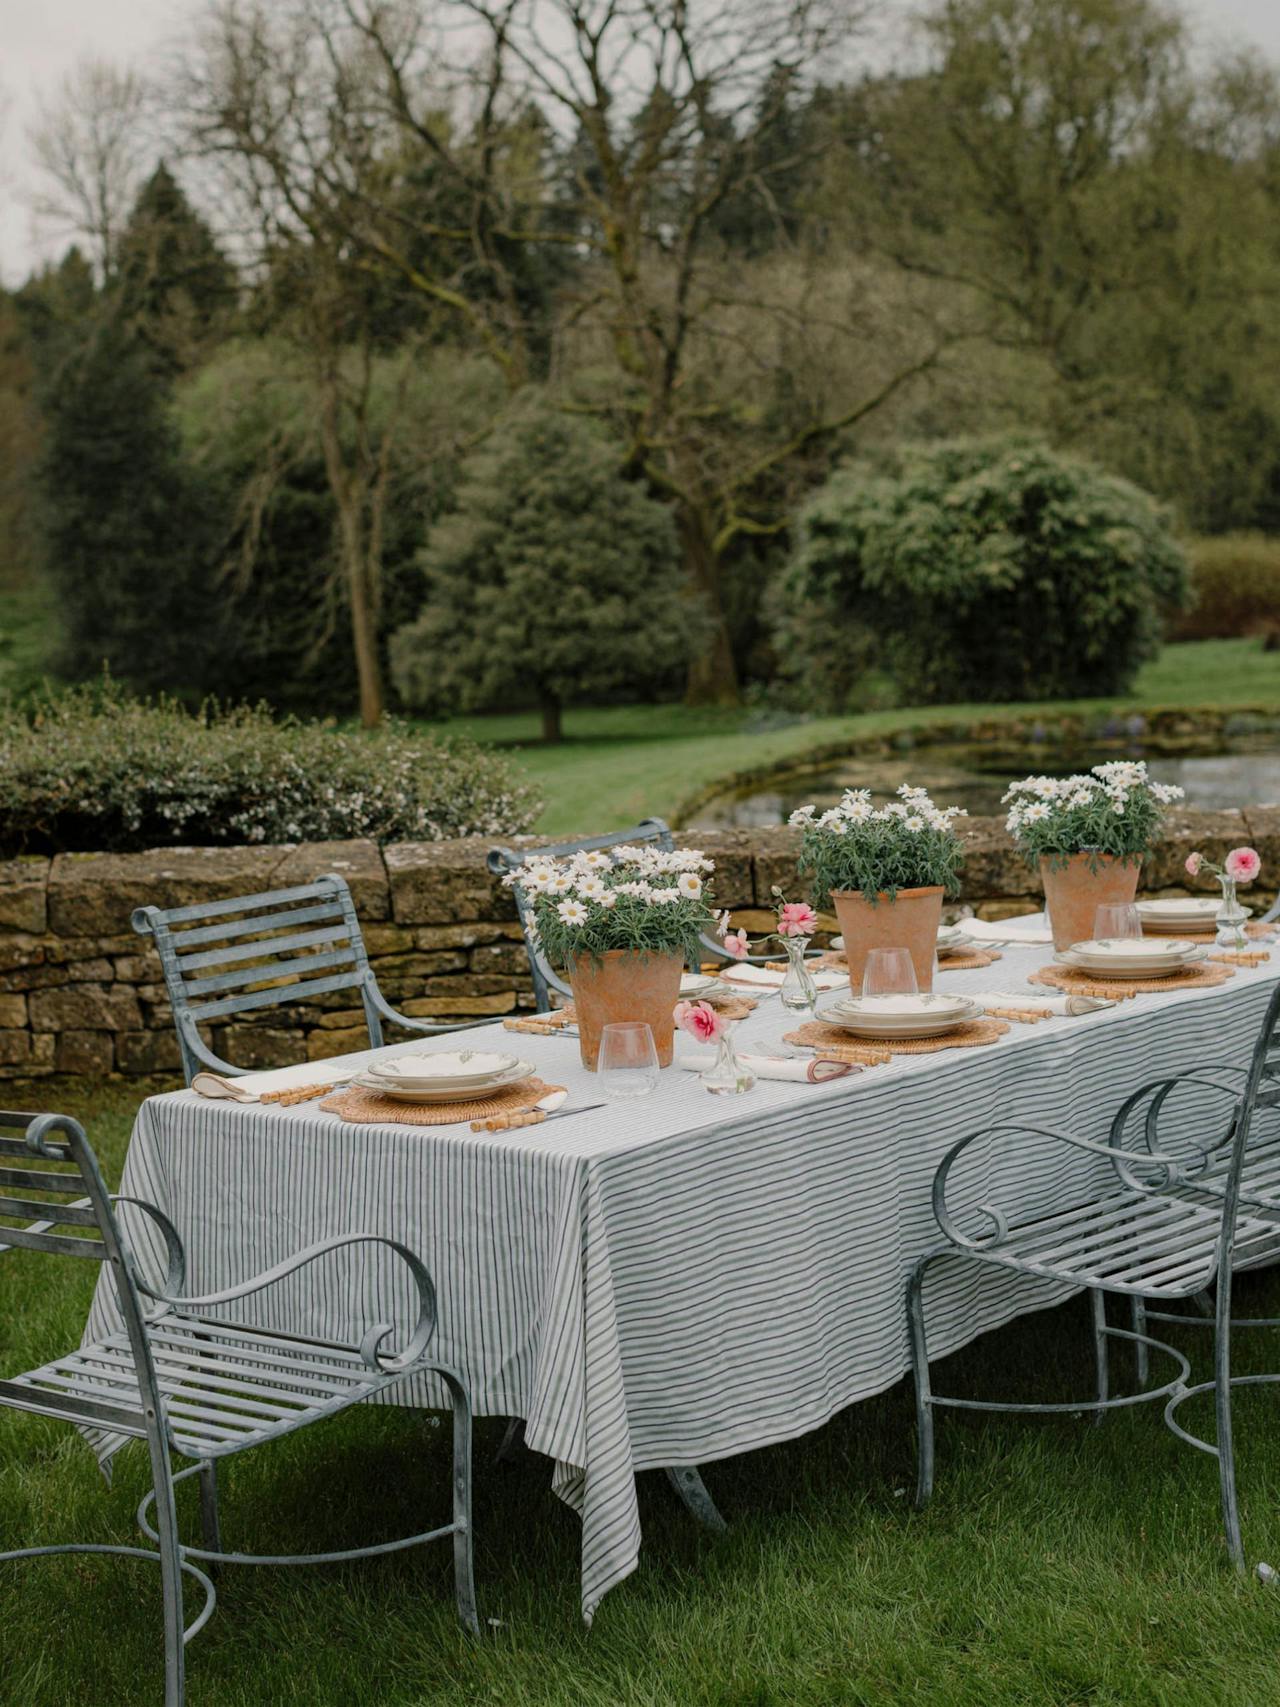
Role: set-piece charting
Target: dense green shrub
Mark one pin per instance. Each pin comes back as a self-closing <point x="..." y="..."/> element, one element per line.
<point x="986" y="569"/>
<point x="1235" y="585"/>
<point x="554" y="579"/>
<point x="93" y="769"/>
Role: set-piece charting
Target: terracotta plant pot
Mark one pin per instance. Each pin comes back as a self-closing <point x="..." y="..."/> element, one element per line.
<point x="1073" y="893"/>
<point x="911" y="921"/>
<point x="623" y="985"/>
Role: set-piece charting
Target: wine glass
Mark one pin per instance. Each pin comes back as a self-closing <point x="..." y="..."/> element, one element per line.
<point x="1117" y="923"/>
<point x="628" y="1060"/>
<point x="889" y="972"/>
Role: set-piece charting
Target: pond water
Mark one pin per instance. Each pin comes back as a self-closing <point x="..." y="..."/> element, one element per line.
<point x="976" y="778"/>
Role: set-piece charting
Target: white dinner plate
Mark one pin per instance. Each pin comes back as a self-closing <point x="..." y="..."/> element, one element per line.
<point x="1135" y="967"/>
<point x="445" y="1066"/>
<point x="1193" y="910"/>
<point x="440" y="1093"/>
<point x="702" y="986"/>
<point x="890" y="1017"/>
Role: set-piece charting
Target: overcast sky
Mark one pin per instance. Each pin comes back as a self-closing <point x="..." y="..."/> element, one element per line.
<point x="40" y="41"/>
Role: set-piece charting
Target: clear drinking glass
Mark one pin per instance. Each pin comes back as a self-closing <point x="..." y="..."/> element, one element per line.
<point x="628" y="1061"/>
<point x="1121" y="923"/>
<point x="889" y="972"/>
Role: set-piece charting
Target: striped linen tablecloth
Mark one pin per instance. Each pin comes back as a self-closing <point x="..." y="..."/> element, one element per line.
<point x="677" y="1279"/>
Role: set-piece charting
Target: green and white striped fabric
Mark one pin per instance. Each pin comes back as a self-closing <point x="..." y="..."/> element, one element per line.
<point x="677" y="1279"/>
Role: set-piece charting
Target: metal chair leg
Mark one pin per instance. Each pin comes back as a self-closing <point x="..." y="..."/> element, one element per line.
<point x="920" y="1372"/>
<point x="686" y="1481"/>
<point x="210" y="1525"/>
<point x="170" y="1578"/>
<point x="1098" y="1307"/>
<point x="464" y="1585"/>
<point x="1141" y="1353"/>
<point x="1222" y="1413"/>
<point x="512" y="1442"/>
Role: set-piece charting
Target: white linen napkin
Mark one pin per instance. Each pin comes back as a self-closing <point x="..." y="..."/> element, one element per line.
<point x="1067" y="1006"/>
<point x="801" y="1072"/>
<point x="1031" y="928"/>
<point x="765" y="978"/>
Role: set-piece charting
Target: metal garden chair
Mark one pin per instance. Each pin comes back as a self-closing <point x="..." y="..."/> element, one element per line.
<point x="1162" y="1231"/>
<point x="503" y="861"/>
<point x="200" y="1386"/>
<point x="224" y="958"/>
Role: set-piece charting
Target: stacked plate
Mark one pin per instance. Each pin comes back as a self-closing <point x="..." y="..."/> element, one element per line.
<point x="1144" y="957"/>
<point x="952" y="939"/>
<point x="455" y="1075"/>
<point x="1190" y="917"/>
<point x="898" y="1018"/>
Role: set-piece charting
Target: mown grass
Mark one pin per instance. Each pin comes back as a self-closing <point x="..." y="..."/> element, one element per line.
<point x="1059" y="1565"/>
<point x="618" y="764"/>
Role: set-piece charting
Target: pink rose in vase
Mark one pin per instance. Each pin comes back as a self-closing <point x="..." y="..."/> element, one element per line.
<point x="1193" y="863"/>
<point x="700" y="1020"/>
<point x="796" y="918"/>
<point x="1243" y="864"/>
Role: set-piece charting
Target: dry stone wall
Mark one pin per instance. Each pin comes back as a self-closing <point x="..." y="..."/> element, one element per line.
<point x="80" y="992"/>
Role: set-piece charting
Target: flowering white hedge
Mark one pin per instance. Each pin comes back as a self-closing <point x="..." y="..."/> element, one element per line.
<point x="1116" y="810"/>
<point x="95" y="770"/>
<point x="908" y="844"/>
<point x="636" y="898"/>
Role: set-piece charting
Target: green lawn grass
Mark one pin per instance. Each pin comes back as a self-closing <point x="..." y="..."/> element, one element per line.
<point x="621" y="763"/>
<point x="1058" y="1566"/>
<point x="28" y="636"/>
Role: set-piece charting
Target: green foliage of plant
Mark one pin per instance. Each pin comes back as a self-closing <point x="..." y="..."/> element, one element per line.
<point x="1235" y="583"/>
<point x="989" y="569"/>
<point x="908" y="844"/>
<point x="642" y="900"/>
<point x="93" y="769"/>
<point x="555" y="578"/>
<point x="1114" y="810"/>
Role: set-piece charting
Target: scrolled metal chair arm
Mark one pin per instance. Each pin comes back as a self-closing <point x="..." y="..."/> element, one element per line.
<point x="176" y="1271"/>
<point x="371" y="1344"/>
<point x="427" y="1027"/>
<point x="36" y="1135"/>
<point x="1170" y="1166"/>
<point x="1159" y="1091"/>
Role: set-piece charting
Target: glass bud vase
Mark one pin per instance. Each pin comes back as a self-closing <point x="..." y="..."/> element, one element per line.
<point x="799" y="993"/>
<point x="728" y="1076"/>
<point x="1230" y="918"/>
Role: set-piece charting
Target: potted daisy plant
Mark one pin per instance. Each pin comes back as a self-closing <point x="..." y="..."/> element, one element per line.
<point x="621" y="922"/>
<point x="885" y="870"/>
<point x="1087" y="835"/>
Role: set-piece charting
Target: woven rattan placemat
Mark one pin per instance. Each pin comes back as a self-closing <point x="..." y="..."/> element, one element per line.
<point x="817" y="1034"/>
<point x="972" y="962"/>
<point x="367" y="1108"/>
<point x="1201" y="977"/>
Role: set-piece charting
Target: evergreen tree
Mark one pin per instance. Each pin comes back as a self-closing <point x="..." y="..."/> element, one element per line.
<point x="126" y="527"/>
<point x="554" y="579"/>
<point x="176" y="288"/>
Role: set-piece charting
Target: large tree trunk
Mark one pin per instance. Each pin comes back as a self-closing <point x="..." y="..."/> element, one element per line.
<point x="349" y="491"/>
<point x="550" y="708"/>
<point x="713" y="673"/>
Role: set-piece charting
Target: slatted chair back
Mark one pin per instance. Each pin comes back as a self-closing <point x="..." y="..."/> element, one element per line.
<point x="225" y="958"/>
<point x="503" y="861"/>
<point x="1261" y="1091"/>
<point x="53" y="1200"/>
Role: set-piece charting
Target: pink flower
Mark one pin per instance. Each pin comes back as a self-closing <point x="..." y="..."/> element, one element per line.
<point x="1193" y="862"/>
<point x="700" y="1020"/>
<point x="796" y="918"/>
<point x="1243" y="864"/>
<point x="735" y="944"/>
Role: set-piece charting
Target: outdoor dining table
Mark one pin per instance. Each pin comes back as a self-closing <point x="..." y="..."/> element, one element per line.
<point x="679" y="1278"/>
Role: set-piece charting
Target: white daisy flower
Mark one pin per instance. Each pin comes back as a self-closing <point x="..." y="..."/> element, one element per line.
<point x="914" y="823"/>
<point x="572" y="912"/>
<point x="591" y="888"/>
<point x="1035" y="813"/>
<point x="559" y="883"/>
<point x="690" y="884"/>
